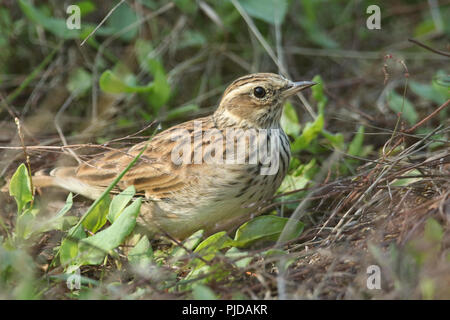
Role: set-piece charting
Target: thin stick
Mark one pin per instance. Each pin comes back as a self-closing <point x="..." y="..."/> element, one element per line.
<point x="442" y="53"/>
<point x="102" y="22"/>
<point x="418" y="124"/>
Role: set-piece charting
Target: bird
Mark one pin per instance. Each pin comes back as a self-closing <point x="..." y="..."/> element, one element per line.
<point x="185" y="175"/>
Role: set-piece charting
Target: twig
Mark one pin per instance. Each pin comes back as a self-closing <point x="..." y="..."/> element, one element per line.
<point x="418" y="124"/>
<point x="442" y="53"/>
<point x="102" y="22"/>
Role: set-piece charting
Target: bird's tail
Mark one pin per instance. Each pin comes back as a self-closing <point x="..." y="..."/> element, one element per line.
<point x="65" y="177"/>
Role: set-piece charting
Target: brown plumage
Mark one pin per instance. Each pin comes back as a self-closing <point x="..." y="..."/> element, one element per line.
<point x="186" y="185"/>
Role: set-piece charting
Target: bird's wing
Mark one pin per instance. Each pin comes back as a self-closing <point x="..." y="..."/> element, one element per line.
<point x="155" y="174"/>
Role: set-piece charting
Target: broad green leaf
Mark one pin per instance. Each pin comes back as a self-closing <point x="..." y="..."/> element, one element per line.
<point x="356" y="146"/>
<point x="336" y="140"/>
<point x="86" y="7"/>
<point x="160" y="91"/>
<point x="208" y="248"/>
<point x="69" y="246"/>
<point x="20" y="188"/>
<point x="190" y="243"/>
<point x="318" y="93"/>
<point x="407" y="181"/>
<point x="92" y="250"/>
<point x="97" y="217"/>
<point x="123" y="18"/>
<point x="112" y="83"/>
<point x="56" y="26"/>
<point x="289" y="120"/>
<point x="141" y="253"/>
<point x="300" y="178"/>
<point x="80" y="81"/>
<point x="240" y="258"/>
<point x="24" y="224"/>
<point x="397" y="103"/>
<point x="202" y="292"/>
<point x="119" y="202"/>
<point x="310" y="132"/>
<point x="271" y="11"/>
<point x="264" y="228"/>
<point x="143" y="49"/>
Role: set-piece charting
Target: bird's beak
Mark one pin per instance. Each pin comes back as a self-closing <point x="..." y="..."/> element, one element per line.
<point x="295" y="87"/>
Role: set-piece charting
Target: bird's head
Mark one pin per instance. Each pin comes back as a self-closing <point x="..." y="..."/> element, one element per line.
<point x="256" y="100"/>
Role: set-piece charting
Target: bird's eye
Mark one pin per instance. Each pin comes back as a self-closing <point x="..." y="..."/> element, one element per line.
<point x="259" y="92"/>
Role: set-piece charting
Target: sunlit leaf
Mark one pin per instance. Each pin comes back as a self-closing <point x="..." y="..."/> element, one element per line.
<point x="264" y="228"/>
<point x="97" y="217"/>
<point x="92" y="250"/>
<point x="141" y="253"/>
<point x="20" y="187"/>
<point x="119" y="202"/>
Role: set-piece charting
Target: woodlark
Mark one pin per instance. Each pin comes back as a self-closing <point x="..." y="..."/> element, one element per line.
<point x="193" y="175"/>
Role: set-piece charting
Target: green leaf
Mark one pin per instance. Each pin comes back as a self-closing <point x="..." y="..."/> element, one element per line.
<point x="271" y="11"/>
<point x="56" y="26"/>
<point x="111" y="83"/>
<point x="407" y="181"/>
<point x="318" y="93"/>
<point x="80" y="81"/>
<point x="69" y="246"/>
<point x="160" y="91"/>
<point x="119" y="202"/>
<point x="202" y="292"/>
<point x="122" y="18"/>
<point x="20" y="188"/>
<point x="240" y="258"/>
<point x="143" y="49"/>
<point x="336" y="140"/>
<point x="310" y="132"/>
<point x="141" y="253"/>
<point x="97" y="217"/>
<point x="300" y="178"/>
<point x="92" y="250"/>
<point x="289" y="120"/>
<point x="86" y="7"/>
<point x="24" y="224"/>
<point x="264" y="228"/>
<point x="190" y="243"/>
<point x="398" y="104"/>
<point x="356" y="146"/>
<point x="208" y="248"/>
